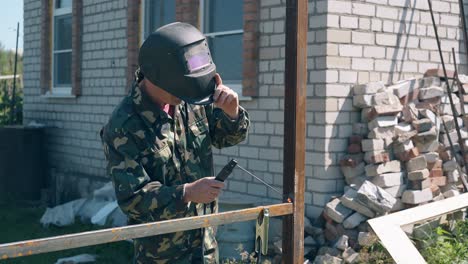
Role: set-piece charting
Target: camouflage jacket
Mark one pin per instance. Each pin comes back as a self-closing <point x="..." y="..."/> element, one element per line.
<point x="151" y="155"/>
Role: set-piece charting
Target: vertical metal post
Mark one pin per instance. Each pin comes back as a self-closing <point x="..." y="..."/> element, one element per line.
<point x="295" y="128"/>
<point x="13" y="96"/>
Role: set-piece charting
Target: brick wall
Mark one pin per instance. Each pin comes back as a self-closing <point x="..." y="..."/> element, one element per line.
<point x="74" y="147"/>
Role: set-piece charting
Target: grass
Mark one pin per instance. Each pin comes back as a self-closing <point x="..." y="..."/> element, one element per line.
<point x="445" y="245"/>
<point x="21" y="222"/>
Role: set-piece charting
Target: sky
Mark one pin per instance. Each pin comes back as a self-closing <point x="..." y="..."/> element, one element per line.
<point x="11" y="12"/>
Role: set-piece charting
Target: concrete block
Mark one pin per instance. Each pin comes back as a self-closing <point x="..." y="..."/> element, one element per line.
<point x="416" y="196"/>
<point x="450" y="165"/>
<point x="403" y="88"/>
<point x="430" y="92"/>
<point x="391" y="166"/>
<point x="354" y="220"/>
<point x="327" y="259"/>
<point x="418" y="163"/>
<point x="402" y="128"/>
<point x="418" y="175"/>
<point x="385" y="98"/>
<point x="336" y="211"/>
<point x="383" y="121"/>
<point x="431" y="157"/>
<point x="396" y="191"/>
<point x="382" y="132"/>
<point x="384" y="110"/>
<point x="342" y="243"/>
<point x="369" y="88"/>
<point x="363" y="101"/>
<point x="349" y="200"/>
<point x="422" y="125"/>
<point x="389" y="179"/>
<point x="372" y="145"/>
<point x="431" y="81"/>
<point x="375" y="198"/>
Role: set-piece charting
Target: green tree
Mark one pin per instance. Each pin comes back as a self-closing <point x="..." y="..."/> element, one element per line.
<point x="7" y="65"/>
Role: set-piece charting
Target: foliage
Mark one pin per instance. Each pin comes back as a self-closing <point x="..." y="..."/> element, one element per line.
<point x="6" y="88"/>
<point x="445" y="245"/>
<point x="375" y="254"/>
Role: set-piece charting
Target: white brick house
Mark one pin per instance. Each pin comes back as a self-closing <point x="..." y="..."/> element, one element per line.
<point x="349" y="42"/>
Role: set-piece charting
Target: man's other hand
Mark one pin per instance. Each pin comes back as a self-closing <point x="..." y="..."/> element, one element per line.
<point x="226" y="99"/>
<point x="204" y="190"/>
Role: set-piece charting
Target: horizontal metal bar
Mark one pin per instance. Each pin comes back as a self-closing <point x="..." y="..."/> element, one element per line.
<point x="49" y="244"/>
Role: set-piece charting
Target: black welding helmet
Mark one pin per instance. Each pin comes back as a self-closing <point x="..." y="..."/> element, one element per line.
<point x="176" y="58"/>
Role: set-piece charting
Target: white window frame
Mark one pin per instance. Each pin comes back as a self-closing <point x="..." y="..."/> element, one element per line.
<point x="58" y="91"/>
<point x="236" y="86"/>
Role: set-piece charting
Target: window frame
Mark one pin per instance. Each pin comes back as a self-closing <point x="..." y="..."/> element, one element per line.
<point x="235" y="85"/>
<point x="60" y="90"/>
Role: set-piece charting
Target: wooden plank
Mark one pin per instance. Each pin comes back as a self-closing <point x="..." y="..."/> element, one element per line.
<point x="397" y="243"/>
<point x="294" y="128"/>
<point x="37" y="246"/>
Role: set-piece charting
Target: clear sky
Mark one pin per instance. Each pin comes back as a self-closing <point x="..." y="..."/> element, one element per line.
<point x="11" y="12"/>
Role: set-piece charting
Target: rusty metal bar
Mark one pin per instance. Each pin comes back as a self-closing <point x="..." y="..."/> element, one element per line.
<point x="38" y="246"/>
<point x="295" y="128"/>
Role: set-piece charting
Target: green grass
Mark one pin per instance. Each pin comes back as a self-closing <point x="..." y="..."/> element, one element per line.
<point x="446" y="245"/>
<point x="21" y="222"/>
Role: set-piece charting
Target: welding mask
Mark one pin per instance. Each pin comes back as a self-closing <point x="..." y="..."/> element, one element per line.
<point x="177" y="59"/>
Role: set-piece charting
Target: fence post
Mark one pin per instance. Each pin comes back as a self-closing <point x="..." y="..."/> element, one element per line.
<point x="294" y="128"/>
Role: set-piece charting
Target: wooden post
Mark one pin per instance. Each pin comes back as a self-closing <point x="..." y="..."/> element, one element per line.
<point x="294" y="128"/>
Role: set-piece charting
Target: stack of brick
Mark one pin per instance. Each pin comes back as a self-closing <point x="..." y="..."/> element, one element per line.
<point x="399" y="155"/>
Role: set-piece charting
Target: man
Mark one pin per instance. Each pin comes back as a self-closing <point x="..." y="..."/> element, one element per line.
<point x="158" y="142"/>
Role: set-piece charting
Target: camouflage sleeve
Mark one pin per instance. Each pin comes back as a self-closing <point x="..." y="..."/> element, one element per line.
<point x="225" y="132"/>
<point x="137" y="195"/>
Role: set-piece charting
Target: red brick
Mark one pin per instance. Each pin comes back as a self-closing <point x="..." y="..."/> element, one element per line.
<point x="436" y="172"/>
<point x="438" y="73"/>
<point x="439" y="181"/>
<point x="407" y="155"/>
<point x="380" y="158"/>
<point x="355" y="139"/>
<point x="434" y="165"/>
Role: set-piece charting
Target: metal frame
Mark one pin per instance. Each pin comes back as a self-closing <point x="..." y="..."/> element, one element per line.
<point x="394" y="239"/>
<point x="293" y="178"/>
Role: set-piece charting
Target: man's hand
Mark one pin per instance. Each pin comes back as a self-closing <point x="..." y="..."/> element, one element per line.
<point x="226" y="99"/>
<point x="204" y="190"/>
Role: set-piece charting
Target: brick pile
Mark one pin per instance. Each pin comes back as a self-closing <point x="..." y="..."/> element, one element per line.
<point x="398" y="157"/>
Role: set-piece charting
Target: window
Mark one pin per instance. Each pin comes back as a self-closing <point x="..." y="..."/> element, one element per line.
<point x="222" y="24"/>
<point x="62" y="47"/>
<point x="157" y="13"/>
